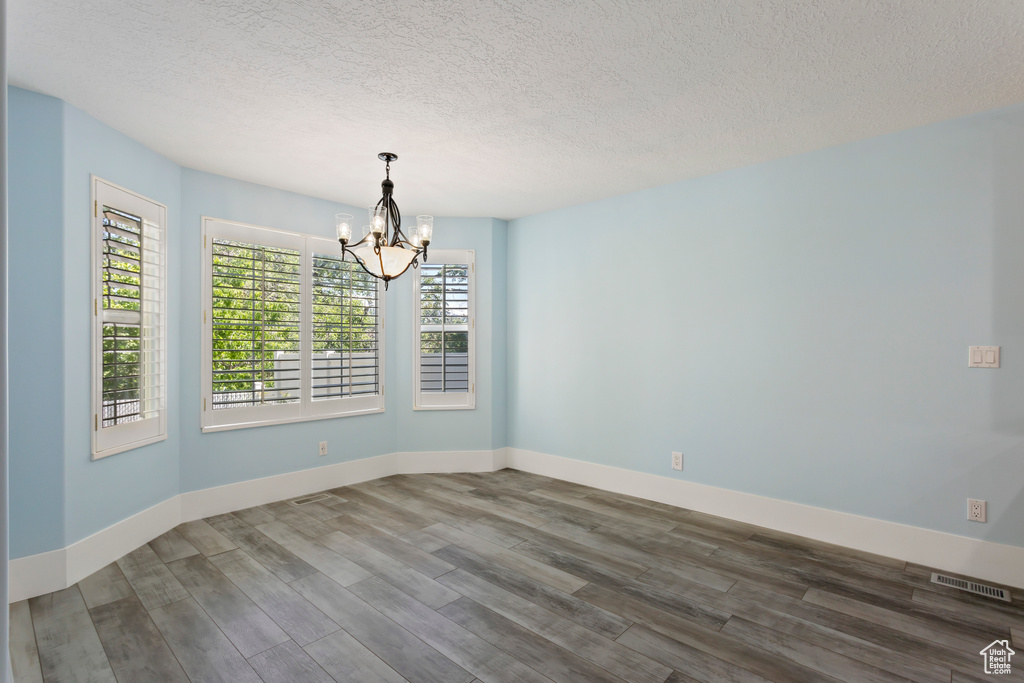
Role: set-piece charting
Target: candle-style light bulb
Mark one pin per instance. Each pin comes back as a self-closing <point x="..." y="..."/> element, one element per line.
<point x="344" y="224"/>
<point x="425" y="228"/>
<point x="377" y="216"/>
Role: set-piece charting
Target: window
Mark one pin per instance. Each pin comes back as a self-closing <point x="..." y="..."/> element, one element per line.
<point x="129" y="320"/>
<point x="346" y="360"/>
<point x="290" y="331"/>
<point x="444" y="374"/>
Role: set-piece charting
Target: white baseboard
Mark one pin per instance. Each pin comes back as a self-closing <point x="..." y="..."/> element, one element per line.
<point x="103" y="547"/>
<point x="996" y="562"/>
<point x="218" y="500"/>
<point x="57" y="569"/>
<point x="446" y="462"/>
<point x="37" y="574"/>
<point x="500" y="458"/>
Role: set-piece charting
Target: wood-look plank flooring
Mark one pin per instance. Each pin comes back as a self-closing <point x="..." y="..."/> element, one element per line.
<point x="503" y="576"/>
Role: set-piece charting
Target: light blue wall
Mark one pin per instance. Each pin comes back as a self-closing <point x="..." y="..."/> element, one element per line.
<point x="36" y="343"/>
<point x="462" y="430"/>
<point x="799" y="329"/>
<point x="102" y="492"/>
<point x="5" y="660"/>
<point x="225" y="457"/>
<point x="499" y="336"/>
<point x="60" y="495"/>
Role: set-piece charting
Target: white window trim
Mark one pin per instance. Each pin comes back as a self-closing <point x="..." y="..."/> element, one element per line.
<point x="306" y="409"/>
<point x="107" y="441"/>
<point x="441" y="400"/>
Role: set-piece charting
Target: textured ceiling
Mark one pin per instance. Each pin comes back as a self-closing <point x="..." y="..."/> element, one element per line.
<point x="501" y="108"/>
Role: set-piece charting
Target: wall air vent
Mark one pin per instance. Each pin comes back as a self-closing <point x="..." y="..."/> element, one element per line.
<point x="971" y="587"/>
<point x="311" y="499"/>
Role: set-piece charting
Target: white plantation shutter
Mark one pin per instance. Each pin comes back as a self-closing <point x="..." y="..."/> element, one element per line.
<point x="290" y="331"/>
<point x="444" y="368"/>
<point x="121" y="317"/>
<point x="346" y="324"/>
<point x="256" y="315"/>
<point x="130" y="326"/>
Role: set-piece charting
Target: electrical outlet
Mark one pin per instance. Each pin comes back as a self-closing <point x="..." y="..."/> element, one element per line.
<point x="977" y="510"/>
<point x="677" y="460"/>
<point x="323" y="448"/>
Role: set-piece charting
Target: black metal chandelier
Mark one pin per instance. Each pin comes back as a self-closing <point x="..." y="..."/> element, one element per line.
<point x="384" y="251"/>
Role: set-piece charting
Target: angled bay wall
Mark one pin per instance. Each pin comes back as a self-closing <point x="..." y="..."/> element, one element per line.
<point x="60" y="496"/>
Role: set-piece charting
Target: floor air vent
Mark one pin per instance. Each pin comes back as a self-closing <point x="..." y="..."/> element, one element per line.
<point x="310" y="499"/>
<point x="971" y="587"/>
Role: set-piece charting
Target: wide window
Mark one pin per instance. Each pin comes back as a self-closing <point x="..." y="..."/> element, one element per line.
<point x="444" y="369"/>
<point x="129" y="247"/>
<point x="290" y="331"/>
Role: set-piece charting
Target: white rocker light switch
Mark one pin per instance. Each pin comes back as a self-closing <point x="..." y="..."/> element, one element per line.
<point x="983" y="357"/>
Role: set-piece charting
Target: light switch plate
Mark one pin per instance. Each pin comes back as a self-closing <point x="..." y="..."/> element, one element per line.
<point x="983" y="357"/>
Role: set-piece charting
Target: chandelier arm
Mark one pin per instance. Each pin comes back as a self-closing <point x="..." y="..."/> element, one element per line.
<point x="376" y="210"/>
<point x="346" y="250"/>
<point x="396" y="221"/>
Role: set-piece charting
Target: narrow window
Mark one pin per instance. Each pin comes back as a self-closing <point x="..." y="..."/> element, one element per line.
<point x="129" y="310"/>
<point x="444" y="363"/>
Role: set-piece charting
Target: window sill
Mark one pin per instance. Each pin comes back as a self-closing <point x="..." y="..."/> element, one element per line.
<point x="286" y="420"/>
<point x="415" y="407"/>
<point x="128" y="446"/>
